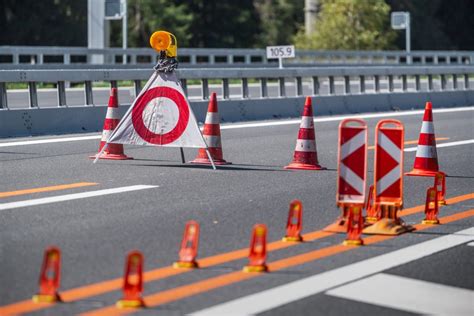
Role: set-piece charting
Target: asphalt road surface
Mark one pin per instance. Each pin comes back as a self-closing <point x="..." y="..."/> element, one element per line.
<point x="75" y="96"/>
<point x="107" y="209"/>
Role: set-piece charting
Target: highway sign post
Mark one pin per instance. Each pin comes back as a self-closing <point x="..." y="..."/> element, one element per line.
<point x="117" y="10"/>
<point x="401" y="20"/>
<point x="280" y="52"/>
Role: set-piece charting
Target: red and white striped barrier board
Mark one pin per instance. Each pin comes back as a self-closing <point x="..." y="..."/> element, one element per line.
<point x="388" y="169"/>
<point x="352" y="162"/>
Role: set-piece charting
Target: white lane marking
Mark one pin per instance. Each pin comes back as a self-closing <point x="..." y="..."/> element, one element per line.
<point x="409" y="295"/>
<point x="49" y="140"/>
<point x="259" y="124"/>
<point x="450" y="144"/>
<point x="74" y="196"/>
<point x="297" y="290"/>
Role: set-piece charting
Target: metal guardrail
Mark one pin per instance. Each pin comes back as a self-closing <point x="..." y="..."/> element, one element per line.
<point x="458" y="76"/>
<point x="38" y="55"/>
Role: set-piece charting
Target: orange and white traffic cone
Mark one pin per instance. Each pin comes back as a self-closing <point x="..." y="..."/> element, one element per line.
<point x="306" y="155"/>
<point x="426" y="160"/>
<point x="212" y="136"/>
<point x="112" y="118"/>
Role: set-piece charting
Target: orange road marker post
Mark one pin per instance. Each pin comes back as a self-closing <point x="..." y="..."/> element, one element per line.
<point x="132" y="282"/>
<point x="294" y="223"/>
<point x="50" y="277"/>
<point x="355" y="225"/>
<point x="351" y="171"/>
<point x="440" y="185"/>
<point x="388" y="178"/>
<point x="431" y="207"/>
<point x="373" y="210"/>
<point x="189" y="246"/>
<point x="258" y="250"/>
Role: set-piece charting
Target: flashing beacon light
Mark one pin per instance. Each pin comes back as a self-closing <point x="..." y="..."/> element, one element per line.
<point x="164" y="41"/>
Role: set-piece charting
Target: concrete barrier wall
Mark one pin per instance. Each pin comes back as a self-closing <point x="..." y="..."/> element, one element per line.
<point x="82" y="119"/>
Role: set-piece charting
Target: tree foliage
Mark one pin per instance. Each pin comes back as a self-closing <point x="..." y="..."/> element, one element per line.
<point x="350" y="25"/>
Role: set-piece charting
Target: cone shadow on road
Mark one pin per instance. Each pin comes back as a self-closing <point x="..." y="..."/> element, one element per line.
<point x="195" y="166"/>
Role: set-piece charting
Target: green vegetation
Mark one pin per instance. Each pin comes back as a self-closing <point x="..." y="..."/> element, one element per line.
<point x="350" y="25"/>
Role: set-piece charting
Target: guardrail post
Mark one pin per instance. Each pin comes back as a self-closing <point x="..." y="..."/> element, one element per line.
<point x="88" y="93"/>
<point x="16" y="59"/>
<point x="230" y="59"/>
<point x="435" y="59"/>
<point x="282" y="87"/>
<point x="404" y="83"/>
<point x="66" y="59"/>
<point x="193" y="59"/>
<point x="466" y="81"/>
<point x="245" y="88"/>
<point x="443" y="82"/>
<point x="33" y="94"/>
<point x="299" y="86"/>
<point x="417" y="83"/>
<point x="248" y="59"/>
<point x="347" y="85"/>
<point x="61" y="93"/>
<point x="430" y="82"/>
<point x="3" y="96"/>
<point x="455" y="82"/>
<point x="40" y="59"/>
<point x="390" y="83"/>
<point x="137" y="84"/>
<point x="263" y="88"/>
<point x="225" y="88"/>
<point x="315" y="85"/>
<point x="212" y="59"/>
<point x="377" y="83"/>
<point x="361" y="84"/>
<point x="205" y="89"/>
<point x="331" y="85"/>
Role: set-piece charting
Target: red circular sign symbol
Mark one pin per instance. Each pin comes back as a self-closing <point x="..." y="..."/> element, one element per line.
<point x="160" y="92"/>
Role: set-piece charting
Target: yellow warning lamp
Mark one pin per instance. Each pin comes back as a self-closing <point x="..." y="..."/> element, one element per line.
<point x="164" y="41"/>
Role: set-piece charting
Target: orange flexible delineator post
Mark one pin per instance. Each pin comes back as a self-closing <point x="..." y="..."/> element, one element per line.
<point x="431" y="207"/>
<point x="295" y="222"/>
<point x="355" y="225"/>
<point x="258" y="250"/>
<point x="189" y="246"/>
<point x="440" y="185"/>
<point x="351" y="170"/>
<point x="388" y="178"/>
<point x="50" y="277"/>
<point x="132" y="282"/>
<point x="373" y="210"/>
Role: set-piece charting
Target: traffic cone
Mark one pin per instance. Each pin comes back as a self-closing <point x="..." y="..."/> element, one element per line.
<point x="431" y="207"/>
<point x="355" y="224"/>
<point x="212" y="135"/>
<point x="258" y="250"/>
<point x="306" y="156"/>
<point x="112" y="118"/>
<point x="294" y="222"/>
<point x="132" y="282"/>
<point x="426" y="160"/>
<point x="189" y="246"/>
<point x="50" y="276"/>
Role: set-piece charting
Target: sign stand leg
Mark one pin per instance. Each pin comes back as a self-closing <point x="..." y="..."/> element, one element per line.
<point x="183" y="160"/>
<point x="101" y="152"/>
<point x="280" y="63"/>
<point x="210" y="158"/>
